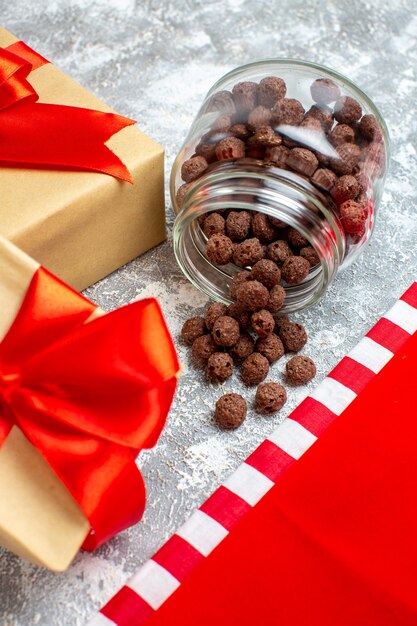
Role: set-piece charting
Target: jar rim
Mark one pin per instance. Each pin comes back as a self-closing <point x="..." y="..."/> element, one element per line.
<point x="198" y="201"/>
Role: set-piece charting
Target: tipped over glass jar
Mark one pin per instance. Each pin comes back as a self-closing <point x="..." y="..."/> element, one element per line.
<point x="286" y="161"/>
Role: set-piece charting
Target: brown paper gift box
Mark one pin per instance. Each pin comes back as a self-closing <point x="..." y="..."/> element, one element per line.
<point x="39" y="519"/>
<point x="80" y="225"/>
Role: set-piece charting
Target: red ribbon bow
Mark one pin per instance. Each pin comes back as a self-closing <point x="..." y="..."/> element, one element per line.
<point x="88" y="396"/>
<point x="51" y="136"/>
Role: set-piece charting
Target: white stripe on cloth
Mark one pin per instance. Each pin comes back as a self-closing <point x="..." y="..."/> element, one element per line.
<point x="293" y="438"/>
<point x="101" y="620"/>
<point x="202" y="532"/>
<point x="335" y="396"/>
<point x="371" y="354"/>
<point x="153" y="583"/>
<point x="248" y="483"/>
<point x="404" y="315"/>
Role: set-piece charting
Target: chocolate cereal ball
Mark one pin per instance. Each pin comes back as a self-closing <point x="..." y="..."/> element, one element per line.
<point x="278" y="251"/>
<point x="353" y="217"/>
<point x="219" y="249"/>
<point x="295" y="269"/>
<point x="347" y="110"/>
<point x="346" y="188"/>
<point x="323" y="114"/>
<point x="293" y="336"/>
<point x="238" y="313"/>
<point x="241" y="131"/>
<point x="300" y="369"/>
<point x="348" y="158"/>
<point x="214" y="224"/>
<point x="314" y="131"/>
<point x="296" y="239"/>
<point x="222" y="124"/>
<point x="368" y="126"/>
<point x="276" y="222"/>
<point x="270" y="90"/>
<point x="222" y="101"/>
<point x="311" y="255"/>
<point x="276" y="299"/>
<point x="323" y="159"/>
<point x="263" y="323"/>
<point x="324" y="90"/>
<point x="288" y="111"/>
<point x="280" y="321"/>
<point x="180" y="195"/>
<point x="193" y="168"/>
<point x="219" y="367"/>
<point x="342" y="133"/>
<point x="266" y="272"/>
<point x="230" y="411"/>
<point x="289" y="143"/>
<point x="260" y="116"/>
<point x="264" y="136"/>
<point x="255" y="151"/>
<point x="252" y="295"/>
<point x="278" y="155"/>
<point x="270" y="347"/>
<point x="248" y="252"/>
<point x="245" y="96"/>
<point x="214" y="310"/>
<point x="203" y="347"/>
<point x="270" y="398"/>
<point x="230" y="148"/>
<point x="207" y="147"/>
<point x="225" y="331"/>
<point x="238" y="225"/>
<point x="262" y="227"/>
<point x="242" y="348"/>
<point x="374" y="158"/>
<point x="254" y="369"/>
<point x="302" y="161"/>
<point x="240" y="277"/>
<point x="193" y="328"/>
<point x="324" y="178"/>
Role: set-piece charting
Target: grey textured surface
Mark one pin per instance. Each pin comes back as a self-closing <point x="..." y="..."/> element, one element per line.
<point x="154" y="61"/>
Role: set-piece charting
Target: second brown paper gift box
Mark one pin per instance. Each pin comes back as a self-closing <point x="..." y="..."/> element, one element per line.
<point x="82" y="225"/>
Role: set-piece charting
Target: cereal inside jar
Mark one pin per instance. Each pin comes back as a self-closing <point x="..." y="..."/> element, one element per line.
<point x="280" y="176"/>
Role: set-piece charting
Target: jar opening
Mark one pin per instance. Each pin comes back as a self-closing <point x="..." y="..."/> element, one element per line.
<point x="247" y="184"/>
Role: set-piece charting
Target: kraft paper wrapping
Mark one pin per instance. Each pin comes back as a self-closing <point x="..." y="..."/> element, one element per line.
<point x="80" y="225"/>
<point x="39" y="519"/>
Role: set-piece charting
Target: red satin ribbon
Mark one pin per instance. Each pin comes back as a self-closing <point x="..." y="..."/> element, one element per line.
<point x="88" y="396"/>
<point x="51" y="136"/>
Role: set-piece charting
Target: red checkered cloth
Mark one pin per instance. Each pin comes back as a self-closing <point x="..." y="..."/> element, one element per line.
<point x="329" y="540"/>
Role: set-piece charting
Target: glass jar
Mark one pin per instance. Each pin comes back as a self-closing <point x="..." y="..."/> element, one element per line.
<point x="296" y="142"/>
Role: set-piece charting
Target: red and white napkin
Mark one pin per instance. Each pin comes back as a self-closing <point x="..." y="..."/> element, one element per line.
<point x="329" y="540"/>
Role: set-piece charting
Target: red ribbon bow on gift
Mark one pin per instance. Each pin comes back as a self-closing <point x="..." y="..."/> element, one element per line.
<point x="88" y="396"/>
<point x="51" y="136"/>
